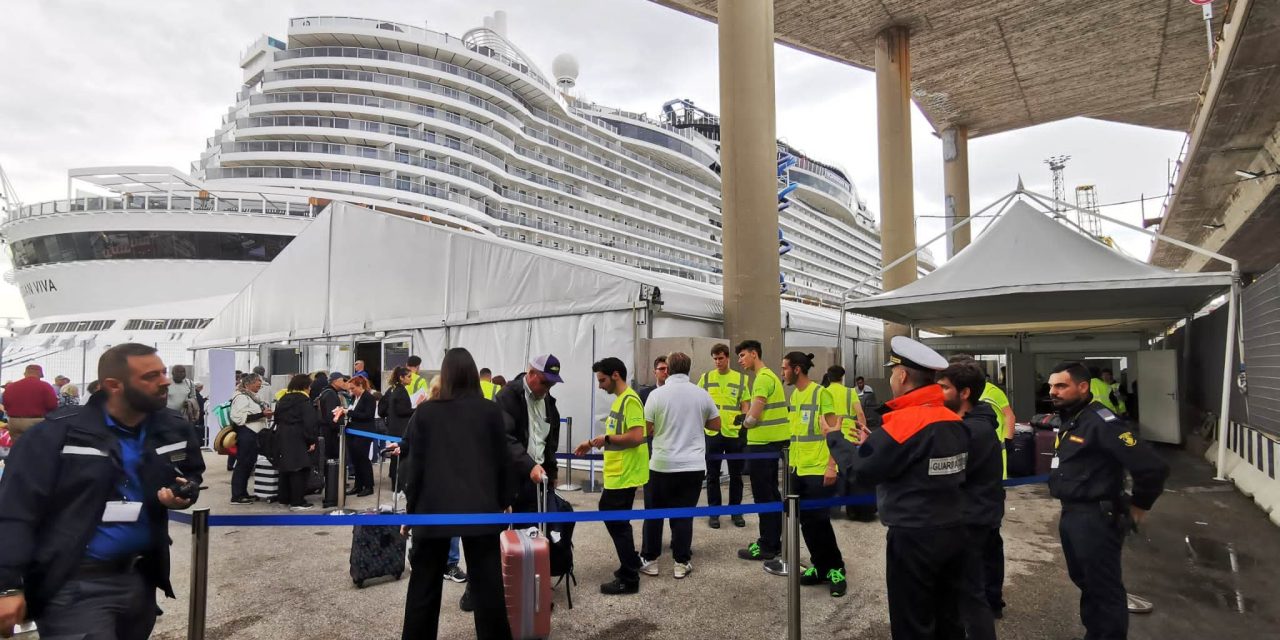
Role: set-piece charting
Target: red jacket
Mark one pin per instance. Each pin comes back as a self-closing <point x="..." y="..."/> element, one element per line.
<point x="29" y="398"/>
<point x="917" y="461"/>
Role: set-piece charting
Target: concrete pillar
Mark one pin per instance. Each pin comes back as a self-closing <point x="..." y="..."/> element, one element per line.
<point x="748" y="159"/>
<point x="955" y="178"/>
<point x="893" y="120"/>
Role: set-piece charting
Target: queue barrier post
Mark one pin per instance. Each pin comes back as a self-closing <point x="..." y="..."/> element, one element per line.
<point x="792" y="547"/>
<point x="342" y="470"/>
<point x="197" y="606"/>
<point x="568" y="474"/>
<point x="787" y="558"/>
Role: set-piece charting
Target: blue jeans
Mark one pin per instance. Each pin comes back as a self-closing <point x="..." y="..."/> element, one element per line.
<point x="454" y="556"/>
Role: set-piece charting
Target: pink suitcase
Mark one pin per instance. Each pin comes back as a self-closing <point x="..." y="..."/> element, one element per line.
<point x="526" y="578"/>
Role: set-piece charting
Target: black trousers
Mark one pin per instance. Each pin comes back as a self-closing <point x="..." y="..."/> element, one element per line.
<point x="624" y="542"/>
<point x="764" y="489"/>
<point x="112" y="607"/>
<point x="293" y="486"/>
<point x="672" y="491"/>
<point x="330" y="433"/>
<point x="246" y="459"/>
<point x="358" y="458"/>
<point x="1092" y="543"/>
<point x="990" y="547"/>
<point x="723" y="444"/>
<point x="484" y="571"/>
<point x="849" y="486"/>
<point x="815" y="524"/>
<point x="975" y="612"/>
<point x="926" y="581"/>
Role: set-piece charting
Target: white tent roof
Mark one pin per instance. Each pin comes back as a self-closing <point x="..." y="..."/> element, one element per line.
<point x="1027" y="272"/>
<point x="355" y="271"/>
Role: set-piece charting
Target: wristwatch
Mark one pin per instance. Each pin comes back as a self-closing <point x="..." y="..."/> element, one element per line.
<point x="606" y="440"/>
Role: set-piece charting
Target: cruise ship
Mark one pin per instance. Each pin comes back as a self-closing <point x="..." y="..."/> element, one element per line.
<point x="466" y="132"/>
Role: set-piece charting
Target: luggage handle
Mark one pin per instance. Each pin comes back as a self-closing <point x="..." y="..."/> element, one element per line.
<point x="542" y="504"/>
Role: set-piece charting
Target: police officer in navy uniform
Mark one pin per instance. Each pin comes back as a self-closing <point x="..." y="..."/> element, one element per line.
<point x="917" y="462"/>
<point x="84" y="506"/>
<point x="1095" y="448"/>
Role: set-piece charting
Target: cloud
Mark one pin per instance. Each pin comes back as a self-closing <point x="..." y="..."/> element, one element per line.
<point x="147" y="82"/>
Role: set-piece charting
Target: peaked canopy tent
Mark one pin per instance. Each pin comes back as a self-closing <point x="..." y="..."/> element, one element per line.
<point x="361" y="275"/>
<point x="1029" y="273"/>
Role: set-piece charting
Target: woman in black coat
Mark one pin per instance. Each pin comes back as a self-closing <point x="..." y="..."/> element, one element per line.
<point x="395" y="407"/>
<point x="360" y="415"/>
<point x="296" y="434"/>
<point x="457" y="462"/>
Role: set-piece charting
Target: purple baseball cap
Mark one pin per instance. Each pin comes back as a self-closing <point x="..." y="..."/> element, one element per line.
<point x="549" y="365"/>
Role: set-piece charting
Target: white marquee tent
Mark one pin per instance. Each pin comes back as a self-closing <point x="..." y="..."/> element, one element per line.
<point x="356" y="274"/>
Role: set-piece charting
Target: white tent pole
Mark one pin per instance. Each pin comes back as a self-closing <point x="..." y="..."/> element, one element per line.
<point x="844" y="296"/>
<point x="1224" y="417"/>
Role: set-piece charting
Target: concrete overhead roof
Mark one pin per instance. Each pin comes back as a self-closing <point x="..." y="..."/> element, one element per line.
<point x="1238" y="128"/>
<point x="997" y="66"/>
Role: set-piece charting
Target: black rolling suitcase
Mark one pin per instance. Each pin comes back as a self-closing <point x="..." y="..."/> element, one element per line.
<point x="315" y="474"/>
<point x="1022" y="454"/>
<point x="377" y="550"/>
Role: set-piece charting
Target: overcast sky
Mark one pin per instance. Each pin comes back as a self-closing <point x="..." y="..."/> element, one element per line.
<point x="144" y="83"/>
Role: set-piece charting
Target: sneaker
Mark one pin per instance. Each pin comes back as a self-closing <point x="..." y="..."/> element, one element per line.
<point x="838" y="584"/>
<point x="810" y="577"/>
<point x="738" y="521"/>
<point x="619" y="588"/>
<point x="775" y="567"/>
<point x="242" y="500"/>
<point x="305" y="506"/>
<point x="465" y="602"/>
<point x="714" y="522"/>
<point x="648" y="567"/>
<point x="452" y="572"/>
<point x="754" y="552"/>
<point x="683" y="569"/>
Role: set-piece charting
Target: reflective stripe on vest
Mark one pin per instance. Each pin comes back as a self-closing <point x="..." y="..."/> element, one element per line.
<point x="724" y="389"/>
<point x="809" y="453"/>
<point x="774" y="425"/>
<point x="627" y="467"/>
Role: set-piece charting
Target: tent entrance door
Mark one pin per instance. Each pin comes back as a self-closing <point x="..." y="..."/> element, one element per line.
<point x="1158" y="396"/>
<point x="371" y="354"/>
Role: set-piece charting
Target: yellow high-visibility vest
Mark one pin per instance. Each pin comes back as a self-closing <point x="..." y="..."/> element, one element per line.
<point x="489" y="389"/>
<point x="774" y="425"/>
<point x="845" y="400"/>
<point x="809" y="453"/>
<point x="624" y="468"/>
<point x="728" y="391"/>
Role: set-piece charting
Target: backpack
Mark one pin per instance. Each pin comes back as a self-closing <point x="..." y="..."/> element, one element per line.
<point x="560" y="535"/>
<point x="269" y="444"/>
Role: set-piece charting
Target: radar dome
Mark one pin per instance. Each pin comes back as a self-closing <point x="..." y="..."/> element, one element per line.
<point x="565" y="69"/>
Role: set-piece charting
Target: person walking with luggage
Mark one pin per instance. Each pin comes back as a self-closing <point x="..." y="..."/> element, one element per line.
<point x="458" y="461"/>
<point x="249" y="415"/>
<point x="626" y="466"/>
<point x="1096" y="447"/>
<point x="297" y="436"/>
<point x="768" y="430"/>
<point x="813" y="473"/>
<point x="676" y="414"/>
<point x="533" y="428"/>
<point x="360" y="416"/>
<point x="962" y="385"/>
<point x="84" y="538"/>
<point x="728" y="388"/>
<point x="917" y="462"/>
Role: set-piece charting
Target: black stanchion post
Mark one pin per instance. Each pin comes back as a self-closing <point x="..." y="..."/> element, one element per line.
<point x="787" y="558"/>
<point x="568" y="472"/>
<point x="793" y="574"/>
<point x="342" y="470"/>
<point x="199" y="598"/>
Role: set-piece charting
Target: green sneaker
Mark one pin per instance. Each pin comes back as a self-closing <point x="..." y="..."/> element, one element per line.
<point x="753" y="552"/>
<point x="838" y="584"/>
<point x="810" y="577"/>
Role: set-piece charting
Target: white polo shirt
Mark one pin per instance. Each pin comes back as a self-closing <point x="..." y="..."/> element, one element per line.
<point x="679" y="410"/>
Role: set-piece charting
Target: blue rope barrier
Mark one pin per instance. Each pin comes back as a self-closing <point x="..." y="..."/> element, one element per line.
<point x="374" y="436"/>
<point x="524" y="518"/>
<point x="714" y="456"/>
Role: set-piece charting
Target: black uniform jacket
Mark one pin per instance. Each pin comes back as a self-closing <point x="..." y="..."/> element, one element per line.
<point x="56" y="486"/>
<point x="516" y="415"/>
<point x="917" y="461"/>
<point x="984" y="470"/>
<point x="1095" y="447"/>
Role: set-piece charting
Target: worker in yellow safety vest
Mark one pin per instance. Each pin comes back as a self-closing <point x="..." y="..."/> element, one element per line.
<point x="487" y="387"/>
<point x="1101" y="390"/>
<point x="853" y="418"/>
<point x="419" y="387"/>
<point x="768" y="430"/>
<point x="813" y="473"/>
<point x="1114" y="397"/>
<point x="728" y="388"/>
<point x="626" y="466"/>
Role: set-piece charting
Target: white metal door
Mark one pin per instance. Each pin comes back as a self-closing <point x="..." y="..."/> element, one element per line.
<point x="1158" y="396"/>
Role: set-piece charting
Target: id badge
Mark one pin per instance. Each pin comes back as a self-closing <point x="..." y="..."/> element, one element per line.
<point x="1054" y="464"/>
<point x="122" y="511"/>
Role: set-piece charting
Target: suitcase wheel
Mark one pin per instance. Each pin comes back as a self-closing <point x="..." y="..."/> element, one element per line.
<point x="359" y="583"/>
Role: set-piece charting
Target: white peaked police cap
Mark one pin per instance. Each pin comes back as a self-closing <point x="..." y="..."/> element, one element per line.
<point x="904" y="351"/>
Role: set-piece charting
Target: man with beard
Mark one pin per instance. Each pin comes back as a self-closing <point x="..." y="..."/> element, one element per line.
<point x="962" y="385"/>
<point x="83" y="506"/>
<point x="1095" y="448"/>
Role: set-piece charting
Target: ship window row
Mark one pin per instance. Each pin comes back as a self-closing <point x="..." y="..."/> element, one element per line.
<point x="146" y="245"/>
<point x="681" y="182"/>
<point x="75" y="326"/>
<point x="584" y="229"/>
<point x="664" y="140"/>
<point x="167" y="324"/>
<point x="810" y="180"/>
<point x="622" y="256"/>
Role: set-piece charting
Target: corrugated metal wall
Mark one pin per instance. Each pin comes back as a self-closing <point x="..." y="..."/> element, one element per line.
<point x="1260" y="312"/>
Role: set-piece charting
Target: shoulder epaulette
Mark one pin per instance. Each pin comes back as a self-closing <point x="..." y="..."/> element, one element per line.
<point x="1106" y="414"/>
